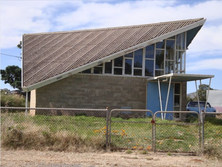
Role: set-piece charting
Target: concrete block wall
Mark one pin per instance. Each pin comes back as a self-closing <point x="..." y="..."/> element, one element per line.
<point x="94" y="91"/>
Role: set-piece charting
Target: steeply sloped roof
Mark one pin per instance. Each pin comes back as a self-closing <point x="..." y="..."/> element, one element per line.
<point x="50" y="55"/>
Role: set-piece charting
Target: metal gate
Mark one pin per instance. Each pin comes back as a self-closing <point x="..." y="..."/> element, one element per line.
<point x="130" y="129"/>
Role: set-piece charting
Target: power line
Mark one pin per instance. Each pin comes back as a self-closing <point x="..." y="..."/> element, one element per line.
<point x="11" y="55"/>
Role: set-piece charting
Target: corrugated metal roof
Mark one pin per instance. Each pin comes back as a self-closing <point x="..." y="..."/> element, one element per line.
<point x="46" y="55"/>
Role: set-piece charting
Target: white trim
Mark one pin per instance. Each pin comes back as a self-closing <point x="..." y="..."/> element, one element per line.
<point x="113" y="56"/>
<point x="22" y="75"/>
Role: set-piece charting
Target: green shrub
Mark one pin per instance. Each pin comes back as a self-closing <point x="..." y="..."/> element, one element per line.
<point x="10" y="100"/>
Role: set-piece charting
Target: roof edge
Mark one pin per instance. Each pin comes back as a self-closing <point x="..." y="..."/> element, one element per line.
<point x="113" y="56"/>
<point x="116" y="27"/>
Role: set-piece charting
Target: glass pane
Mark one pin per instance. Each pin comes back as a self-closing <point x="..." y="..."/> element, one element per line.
<point x="177" y="88"/>
<point x="159" y="59"/>
<point x="98" y="70"/>
<point x="118" y="62"/>
<point x="170" y="49"/>
<point x="129" y="55"/>
<point x="108" y="67"/>
<point x="117" y="71"/>
<point x="173" y="37"/>
<point x="149" y="68"/>
<point x="176" y="100"/>
<point x="150" y="51"/>
<point x="169" y="67"/>
<point x="128" y="66"/>
<point x="138" y="72"/>
<point x="88" y="71"/>
<point x="180" y="42"/>
<point x="160" y="45"/>
<point x="159" y="72"/>
<point x="138" y="58"/>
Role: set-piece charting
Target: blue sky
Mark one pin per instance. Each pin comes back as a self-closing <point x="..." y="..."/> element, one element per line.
<point x="204" y="55"/>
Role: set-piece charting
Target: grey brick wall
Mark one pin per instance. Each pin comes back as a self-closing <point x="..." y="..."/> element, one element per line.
<point x="94" y="91"/>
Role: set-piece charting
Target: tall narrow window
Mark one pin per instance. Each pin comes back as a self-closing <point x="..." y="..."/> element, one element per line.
<point x="180" y="41"/>
<point x="150" y="51"/>
<point x="149" y="68"/>
<point x="128" y="66"/>
<point x="118" y="66"/>
<point x="108" y="67"/>
<point x="138" y="62"/>
<point x="149" y="60"/>
<point x="159" y="59"/>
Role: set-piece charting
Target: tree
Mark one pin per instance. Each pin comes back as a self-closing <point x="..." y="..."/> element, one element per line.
<point x="20" y="45"/>
<point x="202" y="91"/>
<point x="12" y="76"/>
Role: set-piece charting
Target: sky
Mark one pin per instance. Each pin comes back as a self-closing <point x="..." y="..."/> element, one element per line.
<point x="204" y="55"/>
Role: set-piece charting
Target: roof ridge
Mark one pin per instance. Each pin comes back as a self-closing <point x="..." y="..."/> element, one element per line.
<point x="120" y="27"/>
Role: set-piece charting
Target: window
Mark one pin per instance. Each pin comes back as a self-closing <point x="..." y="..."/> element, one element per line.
<point x="138" y="62"/>
<point x="170" y="49"/>
<point x="150" y="52"/>
<point x="159" y="59"/>
<point x="108" y="67"/>
<point x="180" y="41"/>
<point x="98" y="69"/>
<point x="118" y="66"/>
<point x="88" y="71"/>
<point x="128" y="66"/>
<point x="149" y="68"/>
<point x="164" y="57"/>
<point x="160" y="45"/>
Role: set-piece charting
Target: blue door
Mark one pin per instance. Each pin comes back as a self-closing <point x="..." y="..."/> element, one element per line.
<point x="153" y="101"/>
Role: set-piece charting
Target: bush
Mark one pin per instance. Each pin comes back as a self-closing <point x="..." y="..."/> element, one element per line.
<point x="10" y="100"/>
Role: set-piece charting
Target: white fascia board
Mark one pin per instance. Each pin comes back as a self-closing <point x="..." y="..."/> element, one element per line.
<point x="184" y="77"/>
<point x="22" y="79"/>
<point x="113" y="56"/>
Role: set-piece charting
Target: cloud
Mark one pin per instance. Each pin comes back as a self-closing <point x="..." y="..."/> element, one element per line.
<point x="206" y="64"/>
<point x="19" y="17"/>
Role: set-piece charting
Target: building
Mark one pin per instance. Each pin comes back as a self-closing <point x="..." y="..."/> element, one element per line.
<point x="215" y="99"/>
<point x="138" y="67"/>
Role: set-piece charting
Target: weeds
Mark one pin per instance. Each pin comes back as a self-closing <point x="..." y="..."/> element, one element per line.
<point x="82" y="133"/>
<point x="12" y="100"/>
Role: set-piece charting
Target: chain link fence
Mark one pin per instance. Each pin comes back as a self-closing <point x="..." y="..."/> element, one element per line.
<point x="69" y="129"/>
<point x="177" y="136"/>
<point x="212" y="134"/>
<point x="54" y="128"/>
<point x="130" y="129"/>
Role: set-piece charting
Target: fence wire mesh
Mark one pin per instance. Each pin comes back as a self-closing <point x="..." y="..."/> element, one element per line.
<point x="130" y="130"/>
<point x="57" y="129"/>
<point x="127" y="129"/>
<point x="177" y="136"/>
<point x="212" y="133"/>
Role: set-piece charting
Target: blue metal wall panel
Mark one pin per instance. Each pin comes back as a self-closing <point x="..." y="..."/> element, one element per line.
<point x="153" y="102"/>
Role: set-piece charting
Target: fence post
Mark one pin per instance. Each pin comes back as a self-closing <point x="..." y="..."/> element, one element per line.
<point x="107" y="129"/>
<point x="153" y="133"/>
<point x="26" y="103"/>
<point x="202" y="124"/>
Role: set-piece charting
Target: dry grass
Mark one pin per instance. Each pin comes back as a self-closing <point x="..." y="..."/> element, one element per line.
<point x="63" y="141"/>
<point x="28" y="135"/>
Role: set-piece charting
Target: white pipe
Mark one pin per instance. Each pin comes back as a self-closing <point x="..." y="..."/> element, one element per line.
<point x="166" y="105"/>
<point x="207" y="94"/>
<point x="198" y="102"/>
<point x="161" y="108"/>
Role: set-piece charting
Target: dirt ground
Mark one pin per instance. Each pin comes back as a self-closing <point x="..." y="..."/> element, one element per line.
<point x="22" y="158"/>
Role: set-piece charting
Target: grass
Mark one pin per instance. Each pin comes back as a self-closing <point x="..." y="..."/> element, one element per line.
<point x="82" y="133"/>
<point x="12" y="100"/>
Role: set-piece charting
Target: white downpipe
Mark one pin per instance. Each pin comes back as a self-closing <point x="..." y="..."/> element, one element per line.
<point x="198" y="102"/>
<point x="207" y="94"/>
<point x="168" y="93"/>
<point x="161" y="107"/>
